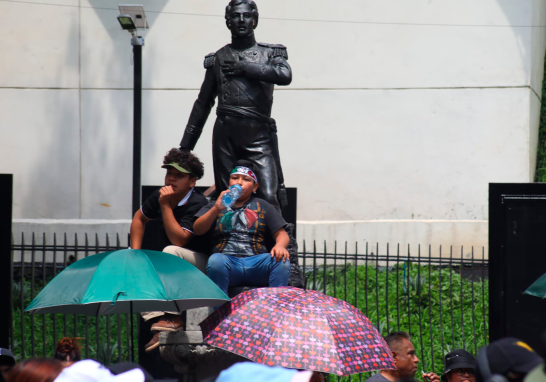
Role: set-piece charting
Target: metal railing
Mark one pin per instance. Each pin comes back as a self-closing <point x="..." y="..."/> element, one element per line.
<point x="439" y="298"/>
<point x="33" y="265"/>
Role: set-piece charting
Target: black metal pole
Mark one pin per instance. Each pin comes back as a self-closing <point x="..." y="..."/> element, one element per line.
<point x="137" y="125"/>
<point x="132" y="333"/>
<point x="6" y="202"/>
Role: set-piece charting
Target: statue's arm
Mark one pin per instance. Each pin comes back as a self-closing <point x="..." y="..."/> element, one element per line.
<point x="201" y="110"/>
<point x="276" y="71"/>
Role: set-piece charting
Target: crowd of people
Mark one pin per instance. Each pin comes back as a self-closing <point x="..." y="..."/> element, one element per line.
<point x="504" y="360"/>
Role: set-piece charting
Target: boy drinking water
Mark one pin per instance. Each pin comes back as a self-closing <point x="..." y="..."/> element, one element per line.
<point x="241" y="237"/>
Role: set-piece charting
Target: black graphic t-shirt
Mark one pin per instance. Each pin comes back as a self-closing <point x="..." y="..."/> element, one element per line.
<point x="245" y="231"/>
<point x="183" y="213"/>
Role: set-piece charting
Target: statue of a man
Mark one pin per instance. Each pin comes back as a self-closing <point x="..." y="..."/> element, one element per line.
<point x="242" y="75"/>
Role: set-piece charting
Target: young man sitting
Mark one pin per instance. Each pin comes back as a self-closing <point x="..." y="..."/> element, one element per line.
<point x="240" y="237"/>
<point x="176" y="204"/>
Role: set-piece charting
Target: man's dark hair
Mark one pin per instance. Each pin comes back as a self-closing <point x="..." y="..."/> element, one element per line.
<point x="393" y="339"/>
<point x="186" y="160"/>
<point x="68" y="349"/>
<point x="253" y="6"/>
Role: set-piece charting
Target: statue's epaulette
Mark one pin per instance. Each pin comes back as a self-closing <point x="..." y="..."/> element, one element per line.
<point x="209" y="60"/>
<point x="277" y="50"/>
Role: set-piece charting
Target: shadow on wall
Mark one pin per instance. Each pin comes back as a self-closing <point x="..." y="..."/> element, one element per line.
<point x="529" y="31"/>
<point x="107" y="113"/>
<point x="48" y="185"/>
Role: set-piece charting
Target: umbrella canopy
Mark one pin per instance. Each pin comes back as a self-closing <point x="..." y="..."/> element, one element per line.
<point x="298" y="329"/>
<point x="538" y="288"/>
<point x="128" y="280"/>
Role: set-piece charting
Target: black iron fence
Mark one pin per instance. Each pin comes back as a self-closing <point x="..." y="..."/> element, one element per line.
<point x="34" y="263"/>
<point x="439" y="296"/>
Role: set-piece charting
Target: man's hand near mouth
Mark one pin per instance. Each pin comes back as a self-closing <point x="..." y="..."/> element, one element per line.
<point x="165" y="196"/>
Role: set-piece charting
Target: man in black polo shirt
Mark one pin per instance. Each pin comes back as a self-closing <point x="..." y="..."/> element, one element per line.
<point x="176" y="203"/>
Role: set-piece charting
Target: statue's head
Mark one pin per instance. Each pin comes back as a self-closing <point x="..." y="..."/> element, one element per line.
<point x="242" y="17"/>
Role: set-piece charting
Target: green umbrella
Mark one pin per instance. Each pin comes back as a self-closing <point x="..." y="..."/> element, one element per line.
<point x="538" y="288"/>
<point x="126" y="281"/>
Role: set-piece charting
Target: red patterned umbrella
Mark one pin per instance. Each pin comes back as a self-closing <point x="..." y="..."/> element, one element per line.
<point x="298" y="329"/>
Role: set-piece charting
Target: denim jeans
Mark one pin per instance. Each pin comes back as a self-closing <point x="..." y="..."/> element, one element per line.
<point x="257" y="270"/>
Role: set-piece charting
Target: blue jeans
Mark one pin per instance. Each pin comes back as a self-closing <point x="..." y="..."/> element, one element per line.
<point x="257" y="270"/>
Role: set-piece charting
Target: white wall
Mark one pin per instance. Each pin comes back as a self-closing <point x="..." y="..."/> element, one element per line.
<point x="399" y="115"/>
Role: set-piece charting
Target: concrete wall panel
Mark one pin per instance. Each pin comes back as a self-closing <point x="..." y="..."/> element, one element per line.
<point x="107" y="154"/>
<point x="341" y="55"/>
<point x="534" y="123"/>
<point x="39" y="45"/>
<point x="40" y="146"/>
<point x="323" y="54"/>
<point x="437" y="12"/>
<point x="538" y="46"/>
<point x="441" y="235"/>
<point x="414" y="154"/>
<point x="440" y="12"/>
<point x="164" y="121"/>
<point x="106" y="51"/>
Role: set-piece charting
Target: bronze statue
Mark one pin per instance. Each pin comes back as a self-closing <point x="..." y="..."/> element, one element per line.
<point x="242" y="75"/>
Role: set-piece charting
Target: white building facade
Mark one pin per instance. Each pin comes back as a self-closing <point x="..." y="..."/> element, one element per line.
<point x="399" y="114"/>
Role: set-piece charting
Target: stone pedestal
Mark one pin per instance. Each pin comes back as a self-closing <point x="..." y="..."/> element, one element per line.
<point x="186" y="350"/>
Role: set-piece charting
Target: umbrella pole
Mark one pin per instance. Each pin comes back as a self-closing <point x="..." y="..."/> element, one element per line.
<point x="132" y="344"/>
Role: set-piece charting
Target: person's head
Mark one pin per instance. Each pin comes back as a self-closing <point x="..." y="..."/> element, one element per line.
<point x="403" y="353"/>
<point x="507" y="357"/>
<point x="7" y="361"/>
<point x="242" y="17"/>
<point x="459" y="366"/>
<point x="183" y="170"/>
<point x="245" y="176"/>
<point x="92" y="371"/>
<point x="35" y="370"/>
<point x="255" y="372"/>
<point x="68" y="351"/>
<point x="123" y="367"/>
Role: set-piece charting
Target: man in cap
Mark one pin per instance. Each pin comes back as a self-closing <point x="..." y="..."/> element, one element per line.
<point x="459" y="366"/>
<point x="7" y="361"/>
<point x="507" y="360"/>
<point x="175" y="204"/>
<point x="405" y="359"/>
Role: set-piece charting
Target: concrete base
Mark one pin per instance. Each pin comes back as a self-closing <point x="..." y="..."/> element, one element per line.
<point x="446" y="233"/>
<point x="96" y="229"/>
<point x="331" y="236"/>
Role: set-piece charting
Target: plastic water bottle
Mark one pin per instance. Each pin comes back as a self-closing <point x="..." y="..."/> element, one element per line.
<point x="230" y="197"/>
